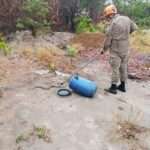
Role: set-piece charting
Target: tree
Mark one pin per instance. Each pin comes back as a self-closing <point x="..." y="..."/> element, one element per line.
<point x="68" y="11"/>
<point x="35" y="15"/>
<point x="94" y="7"/>
<point x="54" y="12"/>
<point x="136" y="9"/>
<point x="9" y="12"/>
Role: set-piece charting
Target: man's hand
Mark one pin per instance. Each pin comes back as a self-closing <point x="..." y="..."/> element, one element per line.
<point x="102" y="51"/>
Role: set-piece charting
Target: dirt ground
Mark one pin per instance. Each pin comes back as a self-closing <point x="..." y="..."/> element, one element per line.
<point x="33" y="117"/>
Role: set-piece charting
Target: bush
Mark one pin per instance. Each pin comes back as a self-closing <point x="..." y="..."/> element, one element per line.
<point x="35" y="15"/>
<point x="137" y="10"/>
<point x="4" y="48"/>
<point x="84" y="24"/>
<point x="10" y="10"/>
<point x="143" y="22"/>
<point x="101" y="27"/>
<point x="71" y="51"/>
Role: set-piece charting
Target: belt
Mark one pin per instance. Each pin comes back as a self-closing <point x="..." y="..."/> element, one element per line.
<point x="119" y="39"/>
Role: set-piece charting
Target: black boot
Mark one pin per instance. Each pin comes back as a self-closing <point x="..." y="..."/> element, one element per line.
<point x="112" y="89"/>
<point x="122" y="87"/>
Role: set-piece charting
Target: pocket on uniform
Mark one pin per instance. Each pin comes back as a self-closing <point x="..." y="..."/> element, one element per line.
<point x="115" y="61"/>
<point x="114" y="45"/>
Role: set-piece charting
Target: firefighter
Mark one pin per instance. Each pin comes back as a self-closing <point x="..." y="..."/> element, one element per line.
<point x="117" y="41"/>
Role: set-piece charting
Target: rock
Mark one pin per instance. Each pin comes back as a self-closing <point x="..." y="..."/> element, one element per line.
<point x="62" y="74"/>
<point x="133" y="76"/>
<point x="59" y="39"/>
<point x="41" y="72"/>
<point x="27" y="36"/>
<point x="23" y="36"/>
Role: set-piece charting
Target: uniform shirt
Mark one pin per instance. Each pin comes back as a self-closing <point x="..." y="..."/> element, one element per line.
<point x="119" y="31"/>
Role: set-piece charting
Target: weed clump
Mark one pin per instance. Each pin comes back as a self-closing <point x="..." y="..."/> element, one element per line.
<point x="36" y="132"/>
<point x="4" y="48"/>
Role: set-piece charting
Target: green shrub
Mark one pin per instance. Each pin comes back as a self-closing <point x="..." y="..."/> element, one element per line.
<point x="137" y="10"/>
<point x="84" y="24"/>
<point x="71" y="51"/>
<point x="4" y="48"/>
<point x="143" y="22"/>
<point x="101" y="27"/>
<point x="35" y="15"/>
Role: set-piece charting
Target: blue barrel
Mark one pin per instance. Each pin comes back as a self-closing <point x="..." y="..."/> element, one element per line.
<point x="82" y="86"/>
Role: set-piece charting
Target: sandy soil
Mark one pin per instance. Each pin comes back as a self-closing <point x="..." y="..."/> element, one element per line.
<point x="33" y="117"/>
<point x="75" y="123"/>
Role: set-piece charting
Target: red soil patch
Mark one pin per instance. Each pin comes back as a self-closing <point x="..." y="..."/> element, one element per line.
<point x="89" y="40"/>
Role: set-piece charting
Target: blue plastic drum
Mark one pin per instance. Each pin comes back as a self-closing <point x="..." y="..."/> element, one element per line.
<point x="82" y="86"/>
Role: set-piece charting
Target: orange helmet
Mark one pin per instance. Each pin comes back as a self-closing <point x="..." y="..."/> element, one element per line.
<point x="109" y="10"/>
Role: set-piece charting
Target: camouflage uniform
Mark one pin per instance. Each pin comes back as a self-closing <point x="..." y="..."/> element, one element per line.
<point x="117" y="40"/>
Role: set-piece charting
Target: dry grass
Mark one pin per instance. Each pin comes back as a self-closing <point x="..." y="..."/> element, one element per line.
<point x="127" y="130"/>
<point x="54" y="61"/>
<point x="89" y="40"/>
<point x="27" y="52"/>
<point x="52" y="57"/>
<point x="45" y="56"/>
<point x="77" y="46"/>
<point x="4" y="64"/>
<point x="140" y="41"/>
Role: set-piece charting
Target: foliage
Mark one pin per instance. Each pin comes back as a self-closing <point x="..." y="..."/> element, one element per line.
<point x="71" y="51"/>
<point x="90" y="3"/>
<point x="101" y="27"/>
<point x="51" y="67"/>
<point x="143" y="22"/>
<point x="21" y="138"/>
<point x="94" y="7"/>
<point x="39" y="132"/>
<point x="35" y="15"/>
<point x="136" y="9"/>
<point x="10" y="10"/>
<point x="84" y="24"/>
<point x="4" y="47"/>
